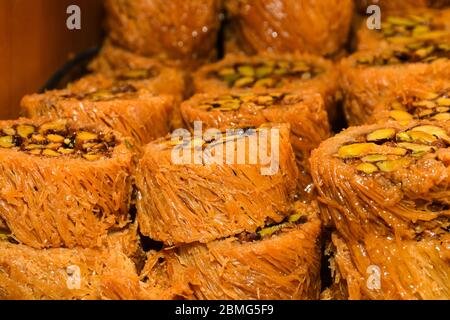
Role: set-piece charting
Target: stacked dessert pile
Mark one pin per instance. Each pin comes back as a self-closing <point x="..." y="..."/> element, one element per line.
<point x="383" y="184"/>
<point x="167" y="173"/>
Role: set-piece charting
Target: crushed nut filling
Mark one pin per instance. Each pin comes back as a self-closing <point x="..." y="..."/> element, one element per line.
<point x="389" y="150"/>
<point x="416" y="52"/>
<point x="268" y="74"/>
<point x="430" y="106"/>
<point x="384" y="152"/>
<point x="111" y="93"/>
<point x="210" y="142"/>
<point x="235" y="101"/>
<point x="57" y="139"/>
<point x="137" y="74"/>
<point x="272" y="229"/>
<point x="411" y="28"/>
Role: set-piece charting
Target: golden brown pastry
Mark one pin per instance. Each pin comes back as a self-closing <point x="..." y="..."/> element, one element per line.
<point x="185" y="31"/>
<point x="284" y="26"/>
<point x="383" y="188"/>
<point x="120" y="65"/>
<point x="405" y="28"/>
<point x="122" y="107"/>
<point x="205" y="188"/>
<point x="280" y="261"/>
<point x="288" y="72"/>
<point x="128" y="241"/>
<point x="105" y="273"/>
<point x="406" y="270"/>
<point x="63" y="185"/>
<point x="417" y="103"/>
<point x="369" y="77"/>
<point x="399" y="169"/>
<point x="304" y="112"/>
<point x="114" y="66"/>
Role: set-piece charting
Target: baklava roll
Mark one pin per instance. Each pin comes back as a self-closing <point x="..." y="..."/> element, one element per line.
<point x="431" y="103"/>
<point x="146" y="74"/>
<point x="290" y="72"/>
<point x="405" y="28"/>
<point x="71" y="274"/>
<point x="63" y="185"/>
<point x="369" y="77"/>
<point x="389" y="180"/>
<point x="98" y="101"/>
<point x="202" y="188"/>
<point x="278" y="261"/>
<point x="185" y="31"/>
<point x="304" y="112"/>
<point x="317" y="27"/>
<point x="111" y="58"/>
<point x="60" y="274"/>
<point x="379" y="268"/>
<point x="117" y="65"/>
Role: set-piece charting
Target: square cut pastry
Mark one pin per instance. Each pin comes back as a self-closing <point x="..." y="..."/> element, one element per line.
<point x="204" y="188"/>
<point x="178" y="30"/>
<point x="98" y="100"/>
<point x="305" y="112"/>
<point x="283" y="26"/>
<point x="63" y="185"/>
<point x="289" y="72"/>
<point x="403" y="28"/>
<point x="278" y="261"/>
<point x="370" y="77"/>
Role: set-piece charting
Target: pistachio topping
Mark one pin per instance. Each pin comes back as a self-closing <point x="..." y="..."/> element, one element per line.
<point x="118" y="90"/>
<point x="400" y="115"/>
<point x="57" y="139"/>
<point x="417" y="52"/>
<point x="5" y="235"/>
<point x="268" y="231"/>
<point x="416" y="148"/>
<point x="267" y="74"/>
<point x="7" y="142"/>
<point x="297" y="217"/>
<point x="430" y="106"/>
<point x="389" y="150"/>
<point x="355" y="150"/>
<point x="233" y="102"/>
<point x="137" y="74"/>
<point x="367" y="168"/>
<point x="393" y="165"/>
<point x="25" y="131"/>
<point x="374" y="158"/>
<point x="382" y="134"/>
<point x="401" y="30"/>
<point x="230" y="135"/>
<point x="9" y="131"/>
